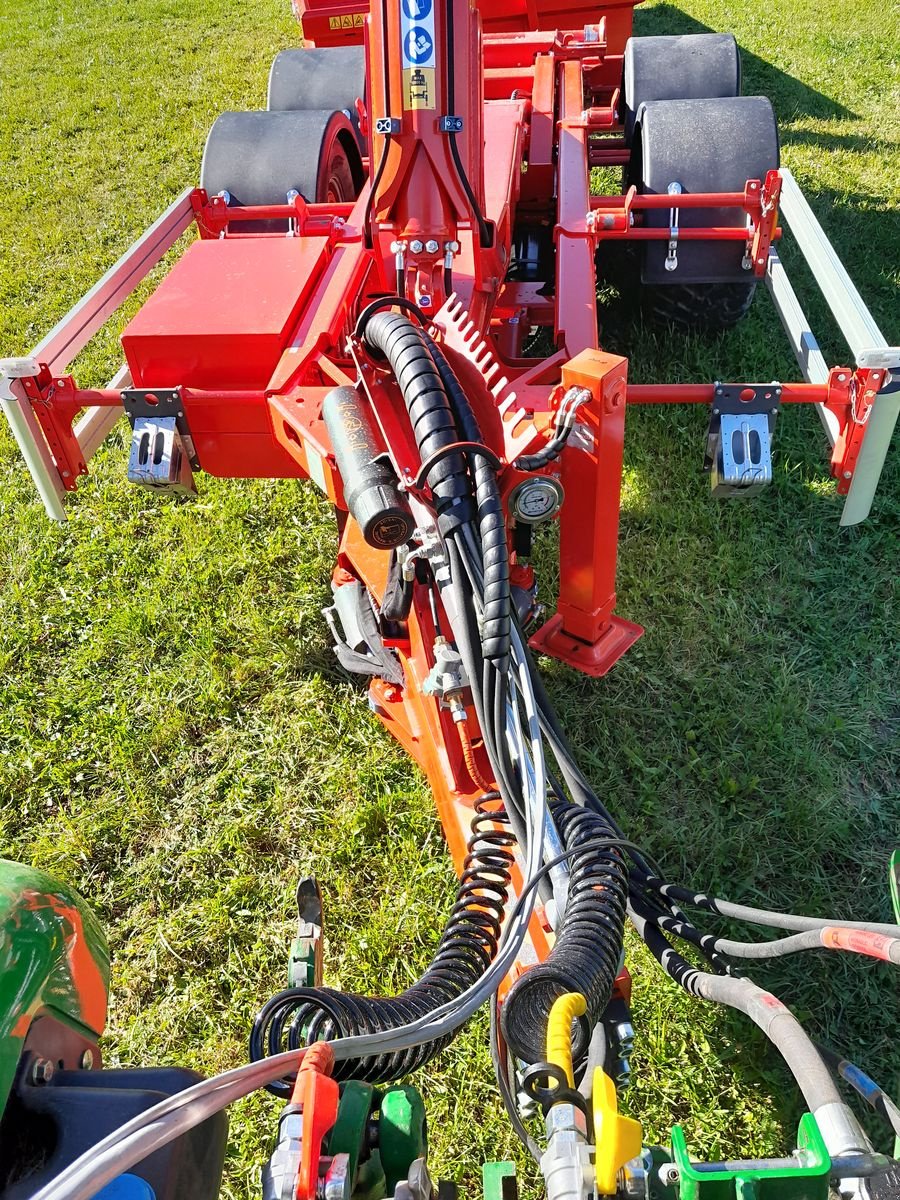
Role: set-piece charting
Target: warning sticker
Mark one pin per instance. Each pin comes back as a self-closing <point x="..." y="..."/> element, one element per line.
<point x="418" y="87"/>
<point x="348" y="21"/>
<point x="417" y="52"/>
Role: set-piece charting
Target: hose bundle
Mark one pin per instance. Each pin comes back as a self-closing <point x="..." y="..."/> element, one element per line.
<point x="585" y="957"/>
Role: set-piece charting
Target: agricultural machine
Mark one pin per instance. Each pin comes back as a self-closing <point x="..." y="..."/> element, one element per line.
<point x="392" y="292"/>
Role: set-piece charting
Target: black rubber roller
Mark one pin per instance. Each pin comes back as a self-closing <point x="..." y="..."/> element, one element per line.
<point x="259" y="157"/>
<point x="320" y="77"/>
<point x="690" y="66"/>
<point x="370" y="485"/>
<point x="703" y="146"/>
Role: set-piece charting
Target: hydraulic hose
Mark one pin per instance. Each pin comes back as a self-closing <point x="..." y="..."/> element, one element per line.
<point x="491" y="519"/>
<point x="586" y="955"/>
<point x="441" y="416"/>
<point x="559" y="1032"/>
<point x="403" y="344"/>
<point x="468" y="945"/>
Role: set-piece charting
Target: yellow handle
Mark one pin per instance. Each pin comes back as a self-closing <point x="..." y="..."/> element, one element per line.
<point x="559" y="1032"/>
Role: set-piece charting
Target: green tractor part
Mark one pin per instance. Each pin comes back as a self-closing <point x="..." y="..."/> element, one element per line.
<point x="803" y="1176"/>
<point x="382" y="1134"/>
<point x="54" y="966"/>
<point x="498" y="1181"/>
<point x="57" y="1100"/>
<point x="402" y="1136"/>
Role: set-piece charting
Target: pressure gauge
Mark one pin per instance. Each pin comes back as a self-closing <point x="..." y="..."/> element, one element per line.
<point x="536" y="500"/>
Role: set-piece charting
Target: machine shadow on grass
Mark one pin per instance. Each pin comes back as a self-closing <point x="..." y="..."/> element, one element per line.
<point x="790" y="95"/>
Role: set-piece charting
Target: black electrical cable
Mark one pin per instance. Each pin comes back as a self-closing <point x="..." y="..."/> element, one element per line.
<point x="484" y="233"/>
<point x="370" y="199"/>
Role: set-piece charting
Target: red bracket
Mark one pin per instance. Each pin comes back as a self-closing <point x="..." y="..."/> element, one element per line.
<point x="317" y="1095"/>
<point x="766" y="228"/>
<point x="851" y="395"/>
<point x="584" y="632"/>
<point x="56" y="405"/>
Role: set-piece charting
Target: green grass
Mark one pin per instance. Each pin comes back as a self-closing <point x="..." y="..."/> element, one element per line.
<point x="175" y="737"/>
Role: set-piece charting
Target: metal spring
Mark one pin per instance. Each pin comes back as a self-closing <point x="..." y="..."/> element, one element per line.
<point x="299" y="1016"/>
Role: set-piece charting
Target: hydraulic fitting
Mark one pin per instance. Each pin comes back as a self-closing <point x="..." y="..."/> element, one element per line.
<point x="566" y="1163"/>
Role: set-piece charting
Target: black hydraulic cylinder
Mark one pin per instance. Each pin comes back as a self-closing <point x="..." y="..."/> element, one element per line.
<point x="370" y="485"/>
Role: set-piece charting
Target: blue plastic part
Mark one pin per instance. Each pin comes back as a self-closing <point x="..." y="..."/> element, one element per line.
<point x="126" y="1187"/>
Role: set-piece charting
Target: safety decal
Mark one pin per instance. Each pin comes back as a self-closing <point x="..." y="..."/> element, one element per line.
<point x="348" y="21"/>
<point x="417" y="53"/>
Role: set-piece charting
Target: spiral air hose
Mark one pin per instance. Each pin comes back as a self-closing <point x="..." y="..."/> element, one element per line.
<point x="585" y="957"/>
<point x="300" y="1016"/>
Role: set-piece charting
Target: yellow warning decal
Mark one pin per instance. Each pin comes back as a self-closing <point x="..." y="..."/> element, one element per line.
<point x="348" y="21"/>
<point x="418" y="87"/>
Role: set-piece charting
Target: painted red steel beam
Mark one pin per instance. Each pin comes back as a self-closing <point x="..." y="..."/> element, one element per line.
<point x="576" y="288"/>
<point x="609" y="158"/>
<point x="713" y="233"/>
<point x="704" y="393"/>
<point x="684" y="200"/>
<point x="112" y="397"/>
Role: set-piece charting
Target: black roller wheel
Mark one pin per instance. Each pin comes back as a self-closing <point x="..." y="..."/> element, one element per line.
<point x="710" y="145"/>
<point x="691" y="66"/>
<point x="319" y="77"/>
<point x="260" y="157"/>
<point x="705" y="306"/>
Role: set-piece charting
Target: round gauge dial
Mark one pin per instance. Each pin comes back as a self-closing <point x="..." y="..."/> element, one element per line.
<point x="536" y="500"/>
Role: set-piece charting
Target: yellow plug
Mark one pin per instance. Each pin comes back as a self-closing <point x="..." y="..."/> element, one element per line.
<point x="559" y="1032"/>
<point x="618" y="1139"/>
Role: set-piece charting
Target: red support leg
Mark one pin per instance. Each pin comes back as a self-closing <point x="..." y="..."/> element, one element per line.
<point x="584" y="632"/>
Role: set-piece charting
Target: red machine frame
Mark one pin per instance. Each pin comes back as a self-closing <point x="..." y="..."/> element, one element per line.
<point x="534" y="112"/>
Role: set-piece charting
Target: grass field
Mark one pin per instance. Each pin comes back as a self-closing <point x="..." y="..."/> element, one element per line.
<point x="177" y="741"/>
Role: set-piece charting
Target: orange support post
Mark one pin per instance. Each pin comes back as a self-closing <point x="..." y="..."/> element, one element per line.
<point x="584" y="632"/>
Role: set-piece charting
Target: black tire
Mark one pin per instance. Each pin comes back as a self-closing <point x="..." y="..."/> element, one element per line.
<point x="259" y="157"/>
<point x="706" y="307"/>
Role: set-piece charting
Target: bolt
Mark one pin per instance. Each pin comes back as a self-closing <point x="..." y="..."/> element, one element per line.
<point x="774" y="412"/>
<point x="848" y="474"/>
<point x="670" y="1175"/>
<point x="87" y="1060"/>
<point x="432" y="246"/>
<point x="416" y="247"/>
<point x="41" y="1071"/>
<point x="715" y="412"/>
<point x="842" y="378"/>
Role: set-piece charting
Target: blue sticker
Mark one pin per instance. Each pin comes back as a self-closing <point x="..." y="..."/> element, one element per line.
<point x="418" y="45"/>
<point x="417" y="10"/>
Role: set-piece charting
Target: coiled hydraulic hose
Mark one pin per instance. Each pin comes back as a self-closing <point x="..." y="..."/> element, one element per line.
<point x="441" y="416"/>
<point x="585" y="957"/>
<point x="403" y="344"/>
<point x="468" y="945"/>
